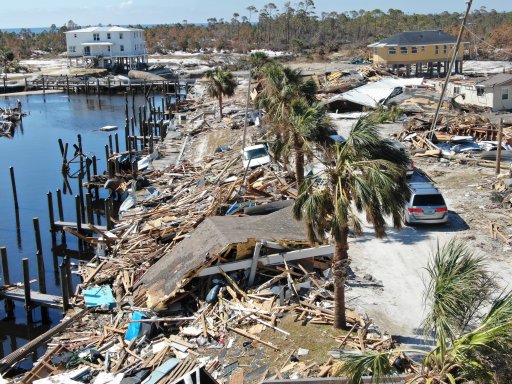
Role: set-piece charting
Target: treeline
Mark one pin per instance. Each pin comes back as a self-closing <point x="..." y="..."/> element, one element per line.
<point x="297" y="28"/>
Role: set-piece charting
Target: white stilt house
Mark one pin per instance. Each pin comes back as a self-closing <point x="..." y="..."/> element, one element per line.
<point x="106" y="46"/>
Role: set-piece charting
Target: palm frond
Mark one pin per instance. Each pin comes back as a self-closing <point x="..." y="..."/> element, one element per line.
<point x="356" y="365"/>
<point x="459" y="285"/>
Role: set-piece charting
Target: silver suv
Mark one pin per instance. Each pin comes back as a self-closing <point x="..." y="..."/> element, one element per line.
<point x="426" y="205"/>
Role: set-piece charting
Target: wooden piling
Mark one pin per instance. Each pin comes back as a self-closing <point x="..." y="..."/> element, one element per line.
<point x="110" y="145"/>
<point x="132" y="120"/>
<point x="81" y="191"/>
<point x="67" y="84"/>
<point x="79" y="139"/>
<point x="107" y="156"/>
<point x="69" y="280"/>
<point x="44" y="91"/>
<point x="26" y="289"/>
<point x="88" y="170"/>
<point x="107" y="214"/>
<point x="39" y="254"/>
<point x="116" y="141"/>
<point x="127" y="135"/>
<point x="59" y="205"/>
<point x="14" y="193"/>
<point x="90" y="212"/>
<point x="64" y="288"/>
<point x="78" y="220"/>
<point x="8" y="304"/>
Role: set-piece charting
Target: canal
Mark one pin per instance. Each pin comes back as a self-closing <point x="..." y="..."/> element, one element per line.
<point x="34" y="153"/>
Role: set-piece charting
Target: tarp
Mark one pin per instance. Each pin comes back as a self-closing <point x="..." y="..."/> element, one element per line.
<point x="377" y="92"/>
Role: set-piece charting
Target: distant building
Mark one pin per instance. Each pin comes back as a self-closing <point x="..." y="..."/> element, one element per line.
<point x="493" y="92"/>
<point x="106" y="46"/>
<point x="425" y="50"/>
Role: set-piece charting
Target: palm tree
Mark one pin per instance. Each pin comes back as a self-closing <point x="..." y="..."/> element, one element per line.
<point x="281" y="87"/>
<point x="257" y="60"/>
<point x="471" y="345"/>
<point x="308" y="123"/>
<point x="220" y="83"/>
<point x="365" y="175"/>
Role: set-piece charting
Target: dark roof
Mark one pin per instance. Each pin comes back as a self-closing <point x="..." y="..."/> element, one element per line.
<point x="418" y="38"/>
<point x="499" y="79"/>
<point x="211" y="237"/>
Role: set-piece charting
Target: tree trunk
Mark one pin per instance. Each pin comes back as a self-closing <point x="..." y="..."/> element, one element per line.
<point x="220" y="105"/>
<point x="299" y="159"/>
<point x="339" y="270"/>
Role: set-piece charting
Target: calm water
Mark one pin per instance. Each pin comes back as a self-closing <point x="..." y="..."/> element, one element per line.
<point x="34" y="153"/>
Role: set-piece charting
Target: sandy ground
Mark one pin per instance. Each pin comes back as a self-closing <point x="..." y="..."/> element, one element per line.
<point x="392" y="293"/>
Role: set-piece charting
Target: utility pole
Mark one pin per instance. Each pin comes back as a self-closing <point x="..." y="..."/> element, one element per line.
<point x="498" y="152"/>
<point x="448" y="75"/>
<point x="247" y="107"/>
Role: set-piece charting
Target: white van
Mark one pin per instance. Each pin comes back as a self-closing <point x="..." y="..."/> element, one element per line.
<point x="255" y="155"/>
<point x="426" y="205"/>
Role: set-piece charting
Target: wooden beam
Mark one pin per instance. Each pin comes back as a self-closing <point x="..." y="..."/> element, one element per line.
<point x="276" y="258"/>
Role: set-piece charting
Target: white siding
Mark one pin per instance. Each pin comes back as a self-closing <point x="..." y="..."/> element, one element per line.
<point x="499" y="103"/>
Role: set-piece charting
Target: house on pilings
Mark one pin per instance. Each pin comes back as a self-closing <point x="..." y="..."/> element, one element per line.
<point x="418" y="53"/>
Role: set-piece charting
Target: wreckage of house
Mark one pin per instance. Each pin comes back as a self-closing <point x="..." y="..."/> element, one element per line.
<point x="494" y="92"/>
<point x="428" y="51"/>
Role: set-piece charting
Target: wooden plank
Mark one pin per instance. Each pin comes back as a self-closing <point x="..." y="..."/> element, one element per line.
<point x="36" y="298"/>
<point x="277" y="258"/>
<point x="85" y="226"/>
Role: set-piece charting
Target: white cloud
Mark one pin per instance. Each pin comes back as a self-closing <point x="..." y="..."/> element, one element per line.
<point x="126" y="4"/>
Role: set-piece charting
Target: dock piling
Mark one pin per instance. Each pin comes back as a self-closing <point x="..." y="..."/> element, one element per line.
<point x="14" y="193"/>
<point x="8" y="304"/>
<point x="26" y="289"/>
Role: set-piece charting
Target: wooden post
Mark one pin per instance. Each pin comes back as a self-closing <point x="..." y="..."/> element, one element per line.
<point x="132" y="120"/>
<point x="26" y="288"/>
<point x="108" y="85"/>
<point x="107" y="213"/>
<point x="126" y="113"/>
<point x="44" y="92"/>
<point x="127" y="135"/>
<point x="81" y="191"/>
<point x="8" y="304"/>
<point x="67" y="84"/>
<point x="116" y="141"/>
<point x="254" y="264"/>
<point x="88" y="171"/>
<point x="59" y="205"/>
<point x="69" y="280"/>
<point x="107" y="157"/>
<point x="78" y="220"/>
<point x="64" y="287"/>
<point x="133" y="101"/>
<point x="498" y="153"/>
<point x="79" y="139"/>
<point x="39" y="254"/>
<point x="90" y="213"/>
<point x="14" y="193"/>
<point x="135" y="144"/>
<point x="111" y="147"/>
<point x="51" y="216"/>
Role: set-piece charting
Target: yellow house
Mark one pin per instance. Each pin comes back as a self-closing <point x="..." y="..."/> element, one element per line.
<point x="425" y="50"/>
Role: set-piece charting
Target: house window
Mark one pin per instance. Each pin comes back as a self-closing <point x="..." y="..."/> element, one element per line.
<point x="423" y="49"/>
<point x="108" y="48"/>
<point x="437" y="49"/>
<point x="72" y="49"/>
<point x="414" y="50"/>
<point x="504" y="93"/>
<point x="403" y="50"/>
<point x="392" y="51"/>
<point x="108" y="35"/>
<point x="121" y="35"/>
<point x="375" y="51"/>
<point x="74" y="35"/>
<point x="456" y="90"/>
<point x="122" y="48"/>
<point x="479" y="91"/>
<point x="445" y="49"/>
<point x="96" y="36"/>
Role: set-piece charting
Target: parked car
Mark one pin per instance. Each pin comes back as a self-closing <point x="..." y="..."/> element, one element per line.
<point x="255" y="155"/>
<point x="426" y="205"/>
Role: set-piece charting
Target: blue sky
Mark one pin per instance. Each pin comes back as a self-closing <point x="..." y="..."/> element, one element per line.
<point x="37" y="13"/>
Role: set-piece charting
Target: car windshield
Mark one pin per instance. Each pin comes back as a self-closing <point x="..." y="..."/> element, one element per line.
<point x="255" y="153"/>
<point x="428" y="200"/>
